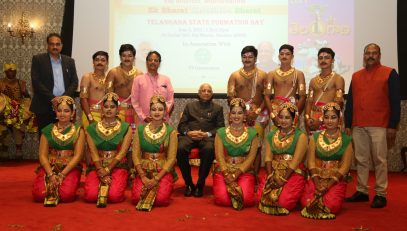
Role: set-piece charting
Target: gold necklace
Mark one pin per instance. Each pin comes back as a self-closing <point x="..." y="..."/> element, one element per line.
<point x="320" y="81"/>
<point x="283" y="75"/>
<point x="59" y="137"/>
<point x="328" y="149"/>
<point x="237" y="139"/>
<point x="248" y="74"/>
<point x="152" y="137"/>
<point x="109" y="132"/>
<point x="100" y="78"/>
<point x="283" y="143"/>
<point x="129" y="74"/>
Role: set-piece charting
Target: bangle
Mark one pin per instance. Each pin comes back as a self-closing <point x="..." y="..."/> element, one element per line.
<point x="90" y="117"/>
<point x="107" y="170"/>
<point x="335" y="179"/>
<point x="314" y="175"/>
<point x="156" y="178"/>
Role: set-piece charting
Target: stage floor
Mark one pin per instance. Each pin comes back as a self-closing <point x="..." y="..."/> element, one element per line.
<point x="19" y="212"/>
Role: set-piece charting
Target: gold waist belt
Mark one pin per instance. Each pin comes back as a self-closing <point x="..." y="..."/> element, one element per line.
<point x="282" y="157"/>
<point x="153" y="155"/>
<point x="235" y="160"/>
<point x="107" y="154"/>
<point x="327" y="164"/>
<point x="60" y="153"/>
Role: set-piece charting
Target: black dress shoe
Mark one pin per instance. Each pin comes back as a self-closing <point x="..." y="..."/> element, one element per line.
<point x="198" y="192"/>
<point x="378" y="202"/>
<point x="189" y="189"/>
<point x="358" y="197"/>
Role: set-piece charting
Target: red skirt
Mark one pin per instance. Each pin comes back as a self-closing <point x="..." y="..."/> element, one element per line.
<point x="332" y="199"/>
<point x="165" y="188"/>
<point x="221" y="196"/>
<point x="291" y="193"/>
<point x="67" y="190"/>
<point x="116" y="188"/>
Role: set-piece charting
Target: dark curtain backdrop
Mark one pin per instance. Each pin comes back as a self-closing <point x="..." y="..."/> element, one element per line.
<point x="67" y="37"/>
<point x="67" y="27"/>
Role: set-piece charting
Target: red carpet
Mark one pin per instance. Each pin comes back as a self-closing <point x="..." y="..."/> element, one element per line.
<point x="18" y="212"/>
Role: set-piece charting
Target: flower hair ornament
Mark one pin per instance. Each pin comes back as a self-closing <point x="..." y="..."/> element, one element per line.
<point x="62" y="100"/>
<point x="237" y="102"/>
<point x="157" y="99"/>
<point x="330" y="107"/>
<point x="111" y="96"/>
<point x="290" y="107"/>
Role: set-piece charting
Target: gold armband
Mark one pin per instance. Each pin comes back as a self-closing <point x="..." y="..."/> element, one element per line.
<point x="306" y="116"/>
<point x="107" y="170"/>
<point x="109" y="84"/>
<point x="84" y="94"/>
<point x="338" y="95"/>
<point x="301" y="89"/>
<point x="272" y="115"/>
<point x="311" y="94"/>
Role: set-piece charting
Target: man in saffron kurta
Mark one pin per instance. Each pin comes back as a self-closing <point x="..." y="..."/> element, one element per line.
<point x="371" y="116"/>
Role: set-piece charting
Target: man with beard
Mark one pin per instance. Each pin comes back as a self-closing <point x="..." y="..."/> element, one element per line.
<point x="371" y="117"/>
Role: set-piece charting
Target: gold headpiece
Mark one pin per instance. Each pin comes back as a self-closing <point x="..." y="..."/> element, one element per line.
<point x="111" y="96"/>
<point x="157" y="99"/>
<point x="9" y="66"/>
<point x="330" y="106"/>
<point x="289" y="106"/>
<point x="237" y="102"/>
<point x="64" y="99"/>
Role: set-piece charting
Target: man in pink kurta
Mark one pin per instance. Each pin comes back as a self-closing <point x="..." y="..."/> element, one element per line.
<point x="149" y="84"/>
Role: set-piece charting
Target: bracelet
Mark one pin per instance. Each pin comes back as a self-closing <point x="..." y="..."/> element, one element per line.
<point x="61" y="175"/>
<point x="283" y="179"/>
<point x="156" y="178"/>
<point x="107" y="170"/>
<point x="51" y="174"/>
<point x="90" y="117"/>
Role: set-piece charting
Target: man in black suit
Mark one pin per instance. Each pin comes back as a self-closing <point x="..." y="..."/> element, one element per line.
<point x="52" y="74"/>
<point x="197" y="128"/>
